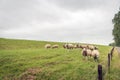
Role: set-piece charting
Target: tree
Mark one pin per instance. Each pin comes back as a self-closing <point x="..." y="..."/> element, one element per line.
<point x="116" y="29"/>
<point x="112" y="44"/>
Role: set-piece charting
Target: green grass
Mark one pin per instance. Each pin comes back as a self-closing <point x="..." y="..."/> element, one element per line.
<point x="8" y="44"/>
<point x="20" y="59"/>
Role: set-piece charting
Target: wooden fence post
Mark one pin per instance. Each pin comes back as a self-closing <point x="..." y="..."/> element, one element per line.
<point x="111" y="53"/>
<point x="109" y="62"/>
<point x="100" y="72"/>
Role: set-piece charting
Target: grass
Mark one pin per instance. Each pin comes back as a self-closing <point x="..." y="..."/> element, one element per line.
<point x="10" y="44"/>
<point x="19" y="61"/>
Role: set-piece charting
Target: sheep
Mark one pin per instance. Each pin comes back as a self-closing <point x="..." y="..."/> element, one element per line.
<point x="48" y="46"/>
<point x="84" y="52"/>
<point x="89" y="52"/>
<point x="83" y="46"/>
<point x="75" y="46"/>
<point x="78" y="45"/>
<point x="55" y="46"/>
<point x="91" y="47"/>
<point x="95" y="54"/>
<point x="65" y="46"/>
<point x="70" y="46"/>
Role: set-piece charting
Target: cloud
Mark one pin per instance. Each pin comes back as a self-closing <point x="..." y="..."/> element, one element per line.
<point x="58" y="20"/>
<point x="85" y="4"/>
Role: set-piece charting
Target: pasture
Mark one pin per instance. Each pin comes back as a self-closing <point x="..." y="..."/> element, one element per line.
<point x="29" y="60"/>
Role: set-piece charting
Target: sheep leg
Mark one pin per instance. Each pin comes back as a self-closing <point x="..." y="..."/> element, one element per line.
<point x="95" y="58"/>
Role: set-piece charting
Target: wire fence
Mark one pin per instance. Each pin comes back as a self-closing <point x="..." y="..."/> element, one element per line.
<point x="100" y="69"/>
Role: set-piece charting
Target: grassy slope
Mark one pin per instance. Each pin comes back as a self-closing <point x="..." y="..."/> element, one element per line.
<point x="9" y="44"/>
<point x="17" y="56"/>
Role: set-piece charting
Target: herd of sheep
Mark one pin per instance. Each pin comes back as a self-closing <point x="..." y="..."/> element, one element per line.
<point x="88" y="51"/>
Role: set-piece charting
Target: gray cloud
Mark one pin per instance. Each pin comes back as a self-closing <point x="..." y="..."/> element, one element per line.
<point x="87" y="21"/>
<point x="85" y="4"/>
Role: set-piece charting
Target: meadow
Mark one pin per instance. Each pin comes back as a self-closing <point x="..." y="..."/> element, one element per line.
<point x="29" y="60"/>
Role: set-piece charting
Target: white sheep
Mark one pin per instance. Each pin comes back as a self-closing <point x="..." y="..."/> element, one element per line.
<point x="65" y="46"/>
<point x="48" y="46"/>
<point x="84" y="52"/>
<point x="78" y="45"/>
<point x="95" y="54"/>
<point x="55" y="46"/>
<point x="91" y="47"/>
<point x="75" y="46"/>
<point x="70" y="46"/>
<point x="83" y="46"/>
<point x="89" y="52"/>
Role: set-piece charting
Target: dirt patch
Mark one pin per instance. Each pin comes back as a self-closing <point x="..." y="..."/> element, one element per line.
<point x="30" y="74"/>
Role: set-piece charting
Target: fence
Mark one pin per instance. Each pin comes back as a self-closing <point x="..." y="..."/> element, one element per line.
<point x="110" y="55"/>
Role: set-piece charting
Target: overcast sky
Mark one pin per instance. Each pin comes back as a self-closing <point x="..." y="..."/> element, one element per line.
<point x="84" y="21"/>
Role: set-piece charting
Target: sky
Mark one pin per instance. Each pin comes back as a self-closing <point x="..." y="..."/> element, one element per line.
<point x="81" y="21"/>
